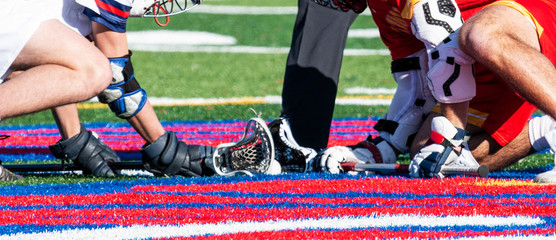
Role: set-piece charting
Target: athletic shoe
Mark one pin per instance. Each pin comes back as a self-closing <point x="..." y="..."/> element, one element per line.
<point x="549" y="176"/>
<point x="291" y="156"/>
<point x="7" y="175"/>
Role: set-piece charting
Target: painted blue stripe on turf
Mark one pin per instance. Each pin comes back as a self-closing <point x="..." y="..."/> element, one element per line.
<point x="113" y="186"/>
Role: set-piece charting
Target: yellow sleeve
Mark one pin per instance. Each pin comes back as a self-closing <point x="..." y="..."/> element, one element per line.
<point x="523" y="11"/>
<point x="407" y="11"/>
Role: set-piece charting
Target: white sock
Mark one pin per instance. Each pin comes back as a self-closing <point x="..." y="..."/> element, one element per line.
<point x="538" y="128"/>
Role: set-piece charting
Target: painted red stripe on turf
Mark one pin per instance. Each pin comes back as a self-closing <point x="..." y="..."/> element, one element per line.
<point x="343" y="132"/>
<point x="163" y="216"/>
<point x="368" y="234"/>
<point x="142" y="198"/>
<point x="433" y="206"/>
<point x="391" y="185"/>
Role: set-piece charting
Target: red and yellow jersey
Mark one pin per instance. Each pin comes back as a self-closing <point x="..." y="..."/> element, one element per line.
<point x="393" y="18"/>
<point x="495" y="108"/>
<point x="395" y="31"/>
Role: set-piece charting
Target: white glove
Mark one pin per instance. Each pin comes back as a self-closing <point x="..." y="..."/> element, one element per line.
<point x="430" y="159"/>
<point x="332" y="158"/>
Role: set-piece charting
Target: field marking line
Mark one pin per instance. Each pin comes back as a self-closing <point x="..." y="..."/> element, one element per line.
<point x="271" y="99"/>
<point x="196" y="41"/>
<point x="337" y="223"/>
<point x="250" y="10"/>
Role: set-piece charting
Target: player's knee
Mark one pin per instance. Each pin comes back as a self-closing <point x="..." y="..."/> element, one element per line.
<point x="102" y="74"/>
<point x="472" y="38"/>
<point x="94" y="74"/>
<point x="476" y="37"/>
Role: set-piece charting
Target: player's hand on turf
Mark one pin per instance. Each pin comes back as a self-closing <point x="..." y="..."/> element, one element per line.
<point x="428" y="162"/>
<point x="332" y="158"/>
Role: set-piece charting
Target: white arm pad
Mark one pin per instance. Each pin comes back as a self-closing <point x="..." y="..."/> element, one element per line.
<point x="434" y="20"/>
<point x="404" y="110"/>
<point x="450" y="73"/>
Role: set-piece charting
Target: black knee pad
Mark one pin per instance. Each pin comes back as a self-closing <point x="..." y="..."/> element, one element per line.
<point x="124" y="96"/>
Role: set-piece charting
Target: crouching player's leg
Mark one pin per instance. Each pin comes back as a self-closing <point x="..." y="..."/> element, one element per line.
<point x="409" y="107"/>
<point x="81" y="146"/>
<point x="163" y="153"/>
<point x="49" y="57"/>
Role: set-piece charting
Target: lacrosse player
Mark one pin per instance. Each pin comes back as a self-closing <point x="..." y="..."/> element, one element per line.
<point x="313" y="67"/>
<point x="497" y="117"/>
<point x="516" y="40"/>
<point x="56" y="65"/>
<point x="529" y="35"/>
<point x="163" y="153"/>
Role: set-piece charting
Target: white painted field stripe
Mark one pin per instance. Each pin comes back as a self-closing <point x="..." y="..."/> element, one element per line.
<point x="369" y="91"/>
<point x="164" y="47"/>
<point x="133" y="232"/>
<point x="195" y="41"/>
<point x="153" y="47"/>
<point x="165" y="101"/>
<point x="173" y="38"/>
<point x="249" y="10"/>
<point x="190" y="41"/>
<point x="364" y="33"/>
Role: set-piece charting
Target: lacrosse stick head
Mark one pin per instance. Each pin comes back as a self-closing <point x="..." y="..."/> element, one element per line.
<point x="161" y="8"/>
<point x="253" y="153"/>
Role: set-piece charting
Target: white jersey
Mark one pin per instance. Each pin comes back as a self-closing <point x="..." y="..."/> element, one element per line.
<point x="23" y="17"/>
<point x="91" y="4"/>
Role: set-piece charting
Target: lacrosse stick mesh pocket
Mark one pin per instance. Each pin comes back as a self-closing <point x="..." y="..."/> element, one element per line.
<point x="251" y="154"/>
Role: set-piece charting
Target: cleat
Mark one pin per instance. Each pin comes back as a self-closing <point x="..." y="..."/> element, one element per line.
<point x="291" y="156"/>
<point x="549" y="177"/>
<point x="87" y="152"/>
<point x="6" y="175"/>
<point x="168" y="156"/>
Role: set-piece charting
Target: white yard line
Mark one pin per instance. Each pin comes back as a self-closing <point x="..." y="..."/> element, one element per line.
<point x="249" y="10"/>
<point x="240" y="49"/>
<point x="194" y="41"/>
<point x="337" y="223"/>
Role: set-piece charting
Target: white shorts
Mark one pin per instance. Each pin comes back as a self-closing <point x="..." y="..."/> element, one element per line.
<point x="21" y="19"/>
